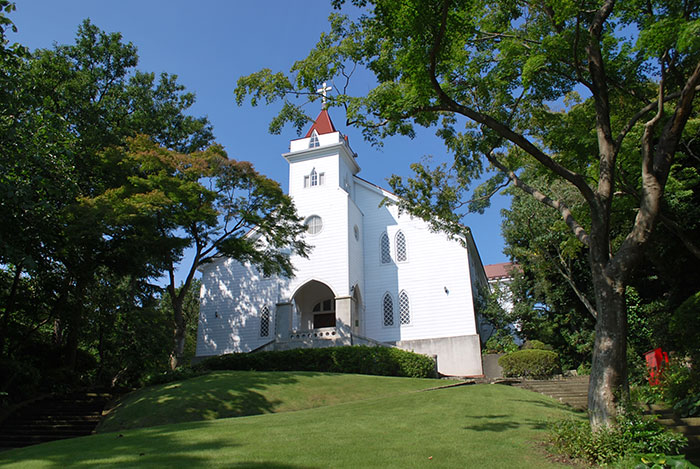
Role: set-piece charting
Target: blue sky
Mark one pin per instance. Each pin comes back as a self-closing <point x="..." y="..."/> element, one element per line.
<point x="208" y="45"/>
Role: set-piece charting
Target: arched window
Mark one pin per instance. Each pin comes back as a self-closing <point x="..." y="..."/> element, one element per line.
<point x="313" y="141"/>
<point x="401" y="255"/>
<point x="404" y="308"/>
<point x="388" y="309"/>
<point x="385" y="249"/>
<point x="314" y="177"/>
<point x="265" y="321"/>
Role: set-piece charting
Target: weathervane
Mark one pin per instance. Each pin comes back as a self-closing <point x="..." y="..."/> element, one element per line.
<point x="323" y="90"/>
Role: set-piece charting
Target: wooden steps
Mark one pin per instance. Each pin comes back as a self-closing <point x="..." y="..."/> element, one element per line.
<point x="53" y="418"/>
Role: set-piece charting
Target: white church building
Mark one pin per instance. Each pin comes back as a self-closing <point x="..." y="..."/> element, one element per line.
<point x="374" y="276"/>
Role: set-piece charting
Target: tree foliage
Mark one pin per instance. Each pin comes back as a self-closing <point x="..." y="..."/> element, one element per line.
<point x="217" y="206"/>
<point x="105" y="181"/>
<point x="573" y="91"/>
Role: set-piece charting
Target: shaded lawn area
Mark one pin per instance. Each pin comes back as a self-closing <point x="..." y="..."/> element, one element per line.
<point x="224" y="394"/>
<point x="488" y="426"/>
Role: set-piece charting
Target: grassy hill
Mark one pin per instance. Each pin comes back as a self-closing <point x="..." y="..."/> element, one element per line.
<point x="488" y="426"/>
<point x="238" y="393"/>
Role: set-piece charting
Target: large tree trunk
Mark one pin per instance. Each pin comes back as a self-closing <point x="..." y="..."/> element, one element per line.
<point x="608" y="381"/>
<point x="178" y="333"/>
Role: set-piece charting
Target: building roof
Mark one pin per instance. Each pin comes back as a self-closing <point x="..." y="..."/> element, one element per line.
<point x="322" y="124"/>
<point x="500" y="271"/>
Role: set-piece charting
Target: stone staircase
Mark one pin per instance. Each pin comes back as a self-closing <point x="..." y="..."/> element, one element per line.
<point x="572" y="391"/>
<point x="690" y="427"/>
<point x="53" y="418"/>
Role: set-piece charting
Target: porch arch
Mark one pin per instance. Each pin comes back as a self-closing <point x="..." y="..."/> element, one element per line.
<point x="314" y="301"/>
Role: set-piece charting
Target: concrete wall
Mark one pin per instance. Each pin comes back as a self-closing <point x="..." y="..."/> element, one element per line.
<point x="491" y="367"/>
<point x="456" y="356"/>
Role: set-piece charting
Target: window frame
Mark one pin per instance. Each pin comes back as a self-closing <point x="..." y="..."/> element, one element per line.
<point x="401" y="246"/>
<point x="307" y="223"/>
<point x="384" y="249"/>
<point x="313" y="141"/>
<point x="265" y="321"/>
<point x="404" y="301"/>
<point x="388" y="302"/>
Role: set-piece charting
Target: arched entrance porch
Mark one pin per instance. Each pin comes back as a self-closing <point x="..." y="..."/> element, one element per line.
<point x="314" y="303"/>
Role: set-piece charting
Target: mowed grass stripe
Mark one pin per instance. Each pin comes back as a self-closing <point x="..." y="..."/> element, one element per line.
<point x="471" y="426"/>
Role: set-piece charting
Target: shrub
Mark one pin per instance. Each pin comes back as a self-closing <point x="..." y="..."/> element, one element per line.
<point x="536" y="345"/>
<point x="646" y="394"/>
<point x="530" y="363"/>
<point x="634" y="433"/>
<point x="584" y="369"/>
<point x="382" y="361"/>
<point x="500" y="343"/>
<point x="19" y="380"/>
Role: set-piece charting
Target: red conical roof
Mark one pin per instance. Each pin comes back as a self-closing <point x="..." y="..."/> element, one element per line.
<point x="322" y="124"/>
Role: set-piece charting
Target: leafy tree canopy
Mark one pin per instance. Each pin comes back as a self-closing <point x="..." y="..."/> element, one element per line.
<point x="573" y="91"/>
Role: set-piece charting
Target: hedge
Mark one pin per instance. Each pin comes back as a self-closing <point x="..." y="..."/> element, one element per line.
<point x="361" y="359"/>
<point x="531" y="363"/>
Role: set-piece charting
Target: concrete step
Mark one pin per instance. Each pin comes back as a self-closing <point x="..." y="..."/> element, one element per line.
<point x="557" y="391"/>
<point x="691" y="422"/>
<point x="551" y="387"/>
<point x="53" y="418"/>
<point x="571" y="391"/>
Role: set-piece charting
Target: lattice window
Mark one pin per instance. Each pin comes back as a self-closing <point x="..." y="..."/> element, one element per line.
<point x="388" y="308"/>
<point x="404" y="308"/>
<point x="314" y="224"/>
<point x="401" y="247"/>
<point x="313" y="141"/>
<point x="386" y="251"/>
<point x="314" y="177"/>
<point x="265" y="322"/>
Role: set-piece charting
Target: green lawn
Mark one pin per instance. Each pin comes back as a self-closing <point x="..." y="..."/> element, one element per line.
<point x="489" y="426"/>
<point x="238" y="393"/>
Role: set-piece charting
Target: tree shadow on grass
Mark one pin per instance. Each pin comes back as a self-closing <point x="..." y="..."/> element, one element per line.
<point x="502" y="423"/>
<point x="205" y="397"/>
<point x="154" y="447"/>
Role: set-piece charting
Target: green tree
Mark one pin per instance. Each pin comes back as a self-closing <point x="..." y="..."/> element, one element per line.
<point x="496" y="68"/>
<point x="204" y="201"/>
<point x="62" y="111"/>
<point x="190" y="313"/>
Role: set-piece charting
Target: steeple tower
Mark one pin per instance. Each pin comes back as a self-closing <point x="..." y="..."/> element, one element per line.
<point x="322" y="159"/>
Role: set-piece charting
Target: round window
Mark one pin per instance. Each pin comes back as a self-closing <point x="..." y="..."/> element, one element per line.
<point x="313" y="224"/>
<point x="356" y="230"/>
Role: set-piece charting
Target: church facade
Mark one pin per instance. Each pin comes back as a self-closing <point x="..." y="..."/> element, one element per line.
<point x="374" y="276"/>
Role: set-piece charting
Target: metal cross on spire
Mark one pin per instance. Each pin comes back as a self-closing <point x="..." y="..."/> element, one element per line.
<point x="323" y="90"/>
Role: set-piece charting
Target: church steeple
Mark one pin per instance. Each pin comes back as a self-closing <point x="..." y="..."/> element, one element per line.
<point x="322" y="125"/>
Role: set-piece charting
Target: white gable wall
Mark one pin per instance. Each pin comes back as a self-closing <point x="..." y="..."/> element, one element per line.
<point x="231" y="301"/>
<point x="434" y="263"/>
